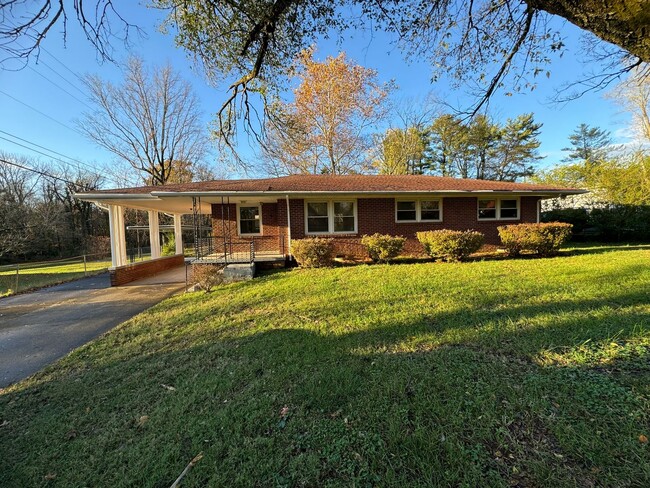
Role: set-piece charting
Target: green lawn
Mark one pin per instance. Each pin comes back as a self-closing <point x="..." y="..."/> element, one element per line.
<point x="43" y="274"/>
<point x="528" y="372"/>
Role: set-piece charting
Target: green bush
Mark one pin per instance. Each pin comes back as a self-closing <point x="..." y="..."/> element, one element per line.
<point x="450" y="245"/>
<point x="313" y="253"/>
<point x="383" y="248"/>
<point x="610" y="224"/>
<point x="169" y="246"/>
<point x="544" y="239"/>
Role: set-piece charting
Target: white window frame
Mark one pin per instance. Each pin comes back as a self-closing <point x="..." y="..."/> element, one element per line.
<point x="418" y="210"/>
<point x="498" y="209"/>
<point x="330" y="216"/>
<point x="245" y="205"/>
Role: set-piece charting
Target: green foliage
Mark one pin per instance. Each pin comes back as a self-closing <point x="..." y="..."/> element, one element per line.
<point x="485" y="149"/>
<point x="621" y="181"/>
<point x="383" y="248"/>
<point x="313" y="252"/>
<point x="402" y="152"/>
<point x="614" y="223"/>
<point x="544" y="239"/>
<point x="169" y="246"/>
<point x="451" y="245"/>
<point x="588" y="144"/>
<point x="577" y="217"/>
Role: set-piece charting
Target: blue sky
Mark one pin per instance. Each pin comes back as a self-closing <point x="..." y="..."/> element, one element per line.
<point x="61" y="105"/>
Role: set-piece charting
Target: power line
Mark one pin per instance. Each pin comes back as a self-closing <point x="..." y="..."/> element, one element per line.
<point x="42" y="173"/>
<point x="49" y="150"/>
<point x="41" y="48"/>
<point x="59" y="87"/>
<point x="79" y="77"/>
<point x="43" y="114"/>
<point x="40" y="61"/>
<point x="35" y="150"/>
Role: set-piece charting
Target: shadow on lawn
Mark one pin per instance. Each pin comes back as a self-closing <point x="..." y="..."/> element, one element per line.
<point x="363" y="407"/>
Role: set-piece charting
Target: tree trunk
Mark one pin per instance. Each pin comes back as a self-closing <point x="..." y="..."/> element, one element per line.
<point x="625" y="23"/>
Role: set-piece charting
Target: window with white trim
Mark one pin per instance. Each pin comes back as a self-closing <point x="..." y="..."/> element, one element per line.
<point x="331" y="217"/>
<point x="498" y="209"/>
<point x="418" y="210"/>
<point x="250" y="220"/>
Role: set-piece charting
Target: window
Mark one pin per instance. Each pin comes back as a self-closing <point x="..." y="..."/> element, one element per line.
<point x="331" y="217"/>
<point x="317" y="218"/>
<point x="418" y="211"/>
<point x="498" y="209"/>
<point x="508" y="209"/>
<point x="487" y="209"/>
<point x="343" y="216"/>
<point x="250" y="221"/>
<point x="430" y="210"/>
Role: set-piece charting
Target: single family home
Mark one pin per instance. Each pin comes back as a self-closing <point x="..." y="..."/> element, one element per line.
<point x="258" y="218"/>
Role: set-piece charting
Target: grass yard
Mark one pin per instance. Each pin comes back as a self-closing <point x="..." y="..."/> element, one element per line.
<point x="528" y="372"/>
<point x="45" y="274"/>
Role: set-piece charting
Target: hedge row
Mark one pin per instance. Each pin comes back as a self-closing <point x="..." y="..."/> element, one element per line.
<point x="611" y="224"/>
<point x="447" y="245"/>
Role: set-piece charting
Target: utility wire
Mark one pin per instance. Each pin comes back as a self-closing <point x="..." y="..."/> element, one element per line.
<point x="43" y="114"/>
<point x="41" y="48"/>
<point x="76" y="87"/>
<point x="49" y="150"/>
<point x="59" y="87"/>
<point x="35" y="150"/>
<point x="42" y="173"/>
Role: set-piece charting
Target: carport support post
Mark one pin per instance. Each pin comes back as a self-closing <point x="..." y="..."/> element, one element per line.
<point x="178" y="234"/>
<point x="154" y="234"/>
<point x="118" y="239"/>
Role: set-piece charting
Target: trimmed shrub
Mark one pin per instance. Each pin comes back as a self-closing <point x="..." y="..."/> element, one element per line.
<point x="383" y="248"/>
<point x="544" y="239"/>
<point x="450" y="245"/>
<point x="313" y="252"/>
<point x="207" y="276"/>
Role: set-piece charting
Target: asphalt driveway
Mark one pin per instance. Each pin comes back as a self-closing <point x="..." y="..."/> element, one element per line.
<point x="40" y="327"/>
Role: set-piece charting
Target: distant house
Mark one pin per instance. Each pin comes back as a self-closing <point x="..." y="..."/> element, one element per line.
<point x="260" y="217"/>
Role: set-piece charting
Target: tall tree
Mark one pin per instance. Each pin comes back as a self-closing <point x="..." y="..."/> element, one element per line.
<point x="448" y="148"/>
<point x="482" y="138"/>
<point x="401" y="152"/>
<point x="588" y="144"/>
<point x="633" y="94"/>
<point x="152" y="121"/>
<point x="325" y="128"/>
<point x="516" y="150"/>
<point x="485" y="149"/>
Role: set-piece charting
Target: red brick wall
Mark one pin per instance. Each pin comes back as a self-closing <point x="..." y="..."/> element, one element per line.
<point x="273" y="233"/>
<point x="377" y="215"/>
<point x="131" y="272"/>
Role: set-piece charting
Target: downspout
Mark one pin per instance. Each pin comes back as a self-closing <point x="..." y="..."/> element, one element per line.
<point x="288" y="227"/>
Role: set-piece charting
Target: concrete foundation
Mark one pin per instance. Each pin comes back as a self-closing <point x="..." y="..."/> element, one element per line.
<point x="239" y="272"/>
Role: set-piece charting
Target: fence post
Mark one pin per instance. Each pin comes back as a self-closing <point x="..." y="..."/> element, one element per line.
<point x="17" y="272"/>
<point x="85" y="268"/>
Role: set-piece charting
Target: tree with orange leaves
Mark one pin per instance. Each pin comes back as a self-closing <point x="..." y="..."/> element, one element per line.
<point x="325" y="128"/>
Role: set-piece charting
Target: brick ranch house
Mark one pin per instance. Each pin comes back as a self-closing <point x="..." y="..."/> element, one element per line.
<point x="264" y="215"/>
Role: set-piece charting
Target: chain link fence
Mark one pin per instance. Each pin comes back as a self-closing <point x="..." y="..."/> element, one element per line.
<point x="15" y="278"/>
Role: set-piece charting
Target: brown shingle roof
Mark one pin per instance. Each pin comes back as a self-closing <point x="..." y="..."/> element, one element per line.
<point x="344" y="183"/>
